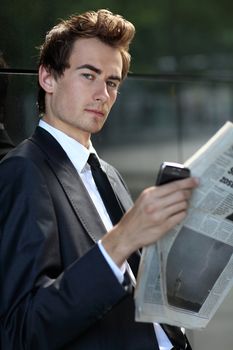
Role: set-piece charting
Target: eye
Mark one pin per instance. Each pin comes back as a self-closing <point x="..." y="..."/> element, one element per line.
<point x="113" y="84"/>
<point x="88" y="76"/>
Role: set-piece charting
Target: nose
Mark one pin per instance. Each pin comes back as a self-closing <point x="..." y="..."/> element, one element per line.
<point x="101" y="91"/>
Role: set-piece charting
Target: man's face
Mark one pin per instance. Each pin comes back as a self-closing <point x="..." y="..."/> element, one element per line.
<point x="79" y="101"/>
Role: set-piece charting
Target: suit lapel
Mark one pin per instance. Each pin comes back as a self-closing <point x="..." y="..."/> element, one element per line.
<point x="118" y="186"/>
<point x="71" y="183"/>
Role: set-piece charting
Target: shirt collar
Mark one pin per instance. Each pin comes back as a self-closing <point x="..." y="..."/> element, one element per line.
<point x="77" y="153"/>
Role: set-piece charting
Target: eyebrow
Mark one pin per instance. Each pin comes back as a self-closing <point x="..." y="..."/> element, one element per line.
<point x="98" y="71"/>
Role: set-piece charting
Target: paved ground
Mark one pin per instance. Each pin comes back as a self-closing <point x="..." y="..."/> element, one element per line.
<point x="218" y="335"/>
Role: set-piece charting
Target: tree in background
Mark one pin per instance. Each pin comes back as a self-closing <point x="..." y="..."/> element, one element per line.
<point x="171" y="35"/>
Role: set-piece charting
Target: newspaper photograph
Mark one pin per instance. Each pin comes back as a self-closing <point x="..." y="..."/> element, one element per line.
<point x="184" y="278"/>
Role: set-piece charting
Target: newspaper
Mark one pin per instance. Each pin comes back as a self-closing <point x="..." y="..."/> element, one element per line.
<point x="185" y="276"/>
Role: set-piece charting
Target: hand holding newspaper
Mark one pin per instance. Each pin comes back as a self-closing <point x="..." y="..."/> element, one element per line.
<point x="183" y="279"/>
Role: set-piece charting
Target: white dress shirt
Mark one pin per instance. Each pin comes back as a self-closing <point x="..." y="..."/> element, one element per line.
<point x="72" y="148"/>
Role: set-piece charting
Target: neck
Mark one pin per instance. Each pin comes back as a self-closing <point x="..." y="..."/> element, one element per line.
<point x="81" y="137"/>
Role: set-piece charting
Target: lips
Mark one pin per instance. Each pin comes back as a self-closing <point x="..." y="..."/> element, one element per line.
<point x="95" y="111"/>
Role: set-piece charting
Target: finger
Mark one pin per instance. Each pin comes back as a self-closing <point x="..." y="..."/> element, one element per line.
<point x="173" y="220"/>
<point x="159" y="217"/>
<point x="189" y="183"/>
<point x="157" y="204"/>
<point x="158" y="231"/>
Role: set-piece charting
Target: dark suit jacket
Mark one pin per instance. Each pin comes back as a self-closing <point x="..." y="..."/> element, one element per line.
<point x="56" y="289"/>
<point x="6" y="143"/>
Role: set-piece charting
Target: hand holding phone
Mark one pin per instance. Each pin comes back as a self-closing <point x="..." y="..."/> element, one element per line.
<point x="170" y="171"/>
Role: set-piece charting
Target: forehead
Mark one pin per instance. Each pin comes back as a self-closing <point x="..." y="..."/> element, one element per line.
<point x="94" y="52"/>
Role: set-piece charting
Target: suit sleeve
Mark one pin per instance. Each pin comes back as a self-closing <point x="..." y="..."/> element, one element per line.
<point x="43" y="306"/>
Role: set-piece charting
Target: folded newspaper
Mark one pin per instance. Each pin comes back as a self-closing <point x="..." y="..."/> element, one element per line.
<point x="183" y="279"/>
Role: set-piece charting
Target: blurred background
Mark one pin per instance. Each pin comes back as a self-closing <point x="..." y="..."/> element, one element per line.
<point x="178" y="94"/>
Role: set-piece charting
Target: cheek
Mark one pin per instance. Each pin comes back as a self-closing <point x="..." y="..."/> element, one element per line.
<point x="113" y="98"/>
<point x="70" y="96"/>
<point x="65" y="102"/>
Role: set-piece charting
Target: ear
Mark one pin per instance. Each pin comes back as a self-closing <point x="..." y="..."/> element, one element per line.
<point x="46" y="79"/>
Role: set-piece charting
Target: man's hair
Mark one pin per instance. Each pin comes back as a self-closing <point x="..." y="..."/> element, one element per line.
<point x="111" y="29"/>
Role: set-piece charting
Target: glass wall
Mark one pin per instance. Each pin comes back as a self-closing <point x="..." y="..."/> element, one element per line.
<point x="157" y="119"/>
<point x="154" y="119"/>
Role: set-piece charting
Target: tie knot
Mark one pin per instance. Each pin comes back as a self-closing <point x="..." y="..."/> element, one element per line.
<point x="93" y="161"/>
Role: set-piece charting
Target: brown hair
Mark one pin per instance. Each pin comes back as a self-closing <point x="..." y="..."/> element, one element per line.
<point x="111" y="29"/>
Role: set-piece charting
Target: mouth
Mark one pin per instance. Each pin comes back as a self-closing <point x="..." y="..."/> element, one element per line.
<point x="97" y="112"/>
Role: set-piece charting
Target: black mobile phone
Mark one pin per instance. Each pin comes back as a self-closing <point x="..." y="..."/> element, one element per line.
<point x="170" y="171"/>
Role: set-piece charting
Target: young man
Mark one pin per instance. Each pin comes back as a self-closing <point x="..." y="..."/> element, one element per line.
<point x="62" y="260"/>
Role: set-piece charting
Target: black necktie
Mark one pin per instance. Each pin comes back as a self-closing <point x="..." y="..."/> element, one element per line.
<point x="105" y="189"/>
<point x="110" y="200"/>
<point x="176" y="337"/>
